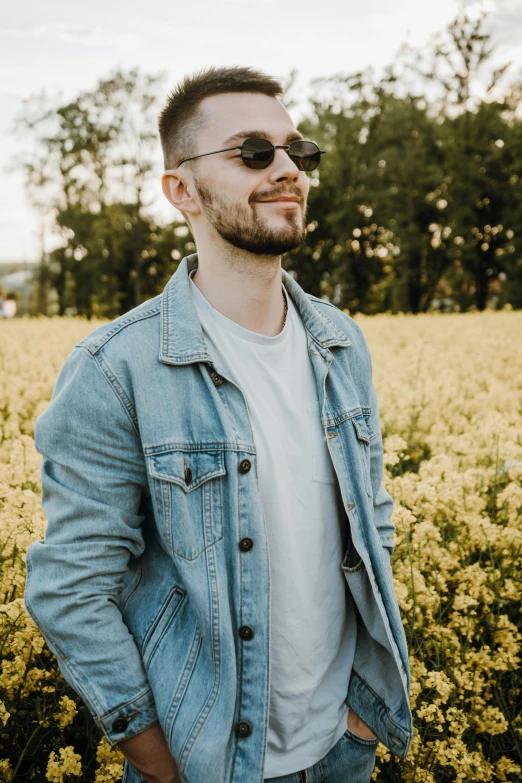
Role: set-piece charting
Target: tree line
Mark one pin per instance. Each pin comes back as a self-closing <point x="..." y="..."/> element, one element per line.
<point x="416" y="205"/>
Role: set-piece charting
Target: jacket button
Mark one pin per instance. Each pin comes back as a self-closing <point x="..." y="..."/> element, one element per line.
<point x="218" y="380"/>
<point x="243" y="729"/>
<point x="246" y="544"/>
<point x="244" y="466"/>
<point x="246" y="632"/>
<point x="188" y="475"/>
<point x="120" y="724"/>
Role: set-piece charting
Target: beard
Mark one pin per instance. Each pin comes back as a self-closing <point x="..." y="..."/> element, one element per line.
<point x="243" y="228"/>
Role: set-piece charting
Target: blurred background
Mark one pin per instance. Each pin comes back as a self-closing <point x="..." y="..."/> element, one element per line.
<point x="416" y="207"/>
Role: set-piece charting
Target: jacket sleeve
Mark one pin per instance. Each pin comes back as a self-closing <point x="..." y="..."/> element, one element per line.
<point x="93" y="478"/>
<point x="382" y="500"/>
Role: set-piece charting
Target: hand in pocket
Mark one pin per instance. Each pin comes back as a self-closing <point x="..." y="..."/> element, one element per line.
<point x="358" y="726"/>
<point x="149" y="753"/>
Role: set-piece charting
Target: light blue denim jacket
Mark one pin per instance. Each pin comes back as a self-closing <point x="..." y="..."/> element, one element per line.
<point x="155" y="553"/>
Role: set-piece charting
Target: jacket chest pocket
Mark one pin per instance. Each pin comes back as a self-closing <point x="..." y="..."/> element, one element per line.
<point x="323" y="470"/>
<point x="187" y="487"/>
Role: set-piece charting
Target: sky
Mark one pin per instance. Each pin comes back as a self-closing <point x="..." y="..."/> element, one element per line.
<point x="64" y="47"/>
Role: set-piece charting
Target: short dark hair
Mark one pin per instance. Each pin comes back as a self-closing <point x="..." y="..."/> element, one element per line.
<point x="178" y="121"/>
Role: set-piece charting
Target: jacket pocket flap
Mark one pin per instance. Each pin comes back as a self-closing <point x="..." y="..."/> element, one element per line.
<point x="362" y="428"/>
<point x="188" y="469"/>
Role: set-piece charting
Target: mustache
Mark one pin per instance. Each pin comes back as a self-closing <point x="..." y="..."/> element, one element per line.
<point x="278" y="193"/>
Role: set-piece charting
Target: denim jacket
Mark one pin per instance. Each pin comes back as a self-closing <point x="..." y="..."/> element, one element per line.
<point x="155" y="553"/>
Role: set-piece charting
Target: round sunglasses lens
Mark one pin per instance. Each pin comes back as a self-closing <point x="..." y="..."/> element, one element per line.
<point x="257" y="153"/>
<point x="305" y="154"/>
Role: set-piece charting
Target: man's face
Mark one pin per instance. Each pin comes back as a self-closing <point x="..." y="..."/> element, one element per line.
<point x="233" y="198"/>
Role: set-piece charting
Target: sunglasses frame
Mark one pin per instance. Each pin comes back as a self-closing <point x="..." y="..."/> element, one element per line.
<point x="274" y="148"/>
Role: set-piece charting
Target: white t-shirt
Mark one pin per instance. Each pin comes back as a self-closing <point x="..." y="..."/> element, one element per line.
<point x="313" y="623"/>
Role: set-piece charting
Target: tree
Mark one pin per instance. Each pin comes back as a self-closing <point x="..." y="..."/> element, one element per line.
<point x="90" y="155"/>
<point x="415" y="193"/>
<point x="377" y="230"/>
<point x="472" y="140"/>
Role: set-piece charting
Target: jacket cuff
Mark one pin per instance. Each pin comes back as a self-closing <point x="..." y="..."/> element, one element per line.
<point x="129" y="719"/>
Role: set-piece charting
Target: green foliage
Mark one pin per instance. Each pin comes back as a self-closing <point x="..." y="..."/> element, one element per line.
<point x="92" y="170"/>
<point x="417" y="200"/>
<point x="416" y="205"/>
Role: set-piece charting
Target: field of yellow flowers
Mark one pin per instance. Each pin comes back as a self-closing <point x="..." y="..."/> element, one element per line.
<point x="450" y="398"/>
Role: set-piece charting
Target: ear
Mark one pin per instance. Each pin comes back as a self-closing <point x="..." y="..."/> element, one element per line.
<point x="178" y="190"/>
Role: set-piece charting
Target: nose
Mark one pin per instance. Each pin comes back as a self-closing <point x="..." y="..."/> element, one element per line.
<point x="283" y="167"/>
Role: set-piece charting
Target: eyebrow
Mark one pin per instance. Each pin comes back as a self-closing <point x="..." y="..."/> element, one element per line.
<point x="261" y="134"/>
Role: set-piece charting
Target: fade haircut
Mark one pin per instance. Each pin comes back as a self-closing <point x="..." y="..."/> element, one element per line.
<point x="180" y="120"/>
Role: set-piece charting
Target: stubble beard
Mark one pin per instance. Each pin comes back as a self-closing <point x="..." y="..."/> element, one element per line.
<point x="244" y="229"/>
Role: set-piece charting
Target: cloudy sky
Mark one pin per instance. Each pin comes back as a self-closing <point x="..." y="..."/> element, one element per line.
<point x="64" y="47"/>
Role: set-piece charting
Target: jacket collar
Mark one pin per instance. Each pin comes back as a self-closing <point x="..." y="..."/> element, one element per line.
<point x="182" y="339"/>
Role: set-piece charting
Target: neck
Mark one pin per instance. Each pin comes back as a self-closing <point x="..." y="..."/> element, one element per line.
<point x="245" y="287"/>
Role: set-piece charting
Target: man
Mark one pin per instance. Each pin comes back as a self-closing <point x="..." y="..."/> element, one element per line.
<point x="215" y="578"/>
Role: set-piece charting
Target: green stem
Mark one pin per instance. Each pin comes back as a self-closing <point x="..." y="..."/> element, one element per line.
<point x="22" y="755"/>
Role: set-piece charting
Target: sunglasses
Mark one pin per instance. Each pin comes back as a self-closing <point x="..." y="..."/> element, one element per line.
<point x="259" y="153"/>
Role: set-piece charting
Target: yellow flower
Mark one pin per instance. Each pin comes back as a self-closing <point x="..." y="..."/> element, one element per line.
<point x="67" y="712"/>
<point x="491" y="721"/>
<point x="66" y="763"/>
<point x="449" y="400"/>
<point x="111" y="761"/>
<point x="6" y="770"/>
<point x="4" y="714"/>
